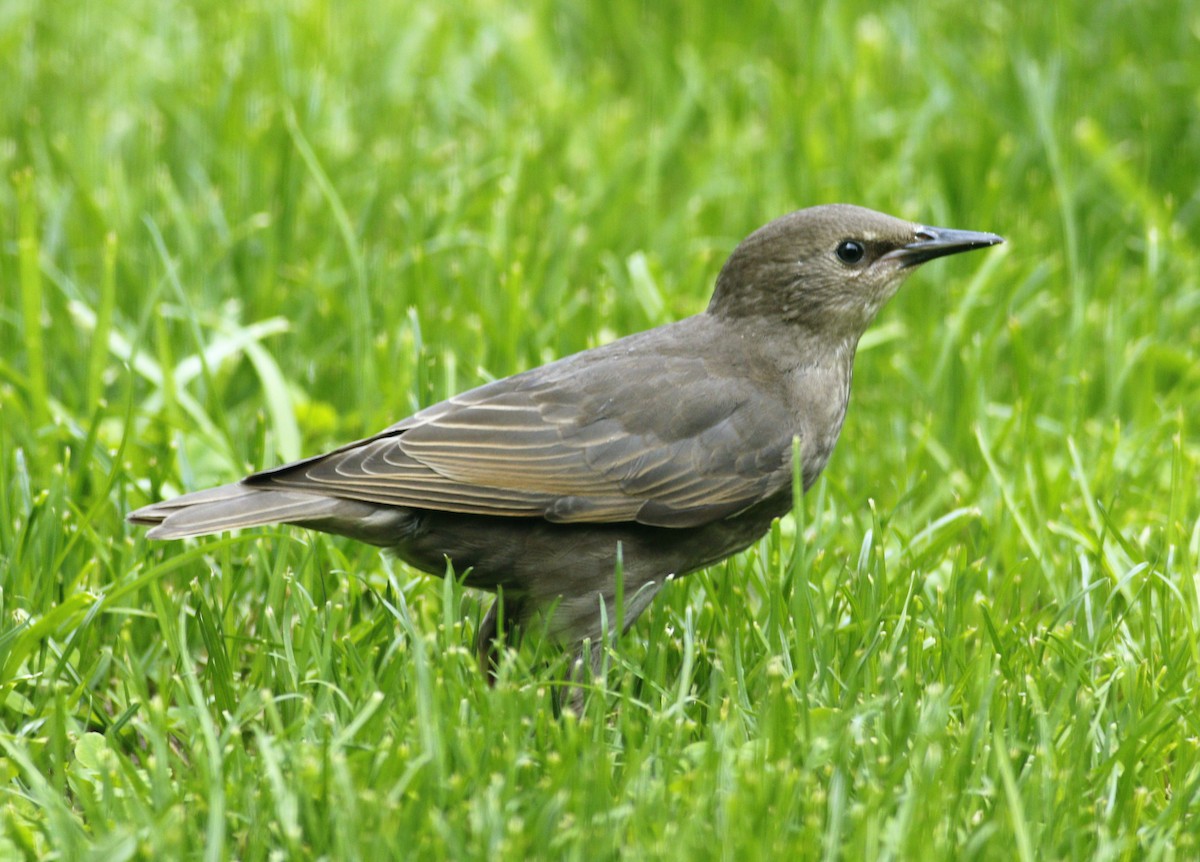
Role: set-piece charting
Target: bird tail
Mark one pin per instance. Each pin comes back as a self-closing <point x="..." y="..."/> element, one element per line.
<point x="231" y="507"/>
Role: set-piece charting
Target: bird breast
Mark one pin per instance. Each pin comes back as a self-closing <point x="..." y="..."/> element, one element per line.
<point x="820" y="394"/>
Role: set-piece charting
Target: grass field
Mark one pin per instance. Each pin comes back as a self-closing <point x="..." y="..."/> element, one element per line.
<point x="238" y="233"/>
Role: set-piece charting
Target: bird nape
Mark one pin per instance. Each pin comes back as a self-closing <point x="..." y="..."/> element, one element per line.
<point x="671" y="447"/>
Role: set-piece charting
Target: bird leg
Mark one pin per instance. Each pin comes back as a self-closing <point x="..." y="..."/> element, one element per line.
<point x="585" y="669"/>
<point x="501" y="627"/>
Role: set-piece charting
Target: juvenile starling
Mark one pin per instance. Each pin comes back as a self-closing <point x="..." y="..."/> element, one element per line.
<point x="673" y="445"/>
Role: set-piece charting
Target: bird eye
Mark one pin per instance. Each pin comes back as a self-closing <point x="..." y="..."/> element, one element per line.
<point x="850" y="251"/>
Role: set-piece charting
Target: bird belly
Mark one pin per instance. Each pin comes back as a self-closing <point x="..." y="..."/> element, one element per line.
<point x="568" y="569"/>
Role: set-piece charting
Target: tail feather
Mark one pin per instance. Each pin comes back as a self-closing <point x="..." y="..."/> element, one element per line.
<point x="230" y="507"/>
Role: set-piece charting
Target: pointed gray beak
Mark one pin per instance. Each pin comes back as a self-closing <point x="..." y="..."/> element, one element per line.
<point x="934" y="242"/>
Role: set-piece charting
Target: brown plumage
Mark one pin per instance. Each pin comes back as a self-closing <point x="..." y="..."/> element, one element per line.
<point x="673" y="444"/>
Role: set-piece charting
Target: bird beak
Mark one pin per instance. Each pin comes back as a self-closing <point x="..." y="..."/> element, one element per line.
<point x="934" y="242"/>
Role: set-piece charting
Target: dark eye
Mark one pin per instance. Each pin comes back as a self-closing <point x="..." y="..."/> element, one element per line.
<point x="850" y="251"/>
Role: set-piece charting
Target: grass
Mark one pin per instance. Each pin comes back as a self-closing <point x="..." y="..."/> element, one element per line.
<point x="237" y="233"/>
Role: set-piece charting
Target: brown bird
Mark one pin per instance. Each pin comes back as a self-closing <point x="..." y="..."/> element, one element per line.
<point x="673" y="445"/>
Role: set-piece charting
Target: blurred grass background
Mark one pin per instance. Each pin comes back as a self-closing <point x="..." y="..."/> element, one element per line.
<point x="238" y="233"/>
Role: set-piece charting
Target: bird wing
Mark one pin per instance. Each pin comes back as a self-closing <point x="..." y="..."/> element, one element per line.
<point x="659" y="436"/>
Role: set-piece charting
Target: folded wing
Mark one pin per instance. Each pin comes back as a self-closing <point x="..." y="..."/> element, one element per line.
<point x="562" y="442"/>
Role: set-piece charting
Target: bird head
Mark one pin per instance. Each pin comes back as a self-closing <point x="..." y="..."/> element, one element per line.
<point x="830" y="268"/>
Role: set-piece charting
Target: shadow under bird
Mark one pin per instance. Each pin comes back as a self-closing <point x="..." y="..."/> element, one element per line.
<point x="673" y="445"/>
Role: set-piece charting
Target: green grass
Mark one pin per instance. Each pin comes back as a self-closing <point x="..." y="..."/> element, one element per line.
<point x="238" y="233"/>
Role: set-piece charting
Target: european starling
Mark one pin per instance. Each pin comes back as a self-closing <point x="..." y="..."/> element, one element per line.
<point x="671" y="447"/>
